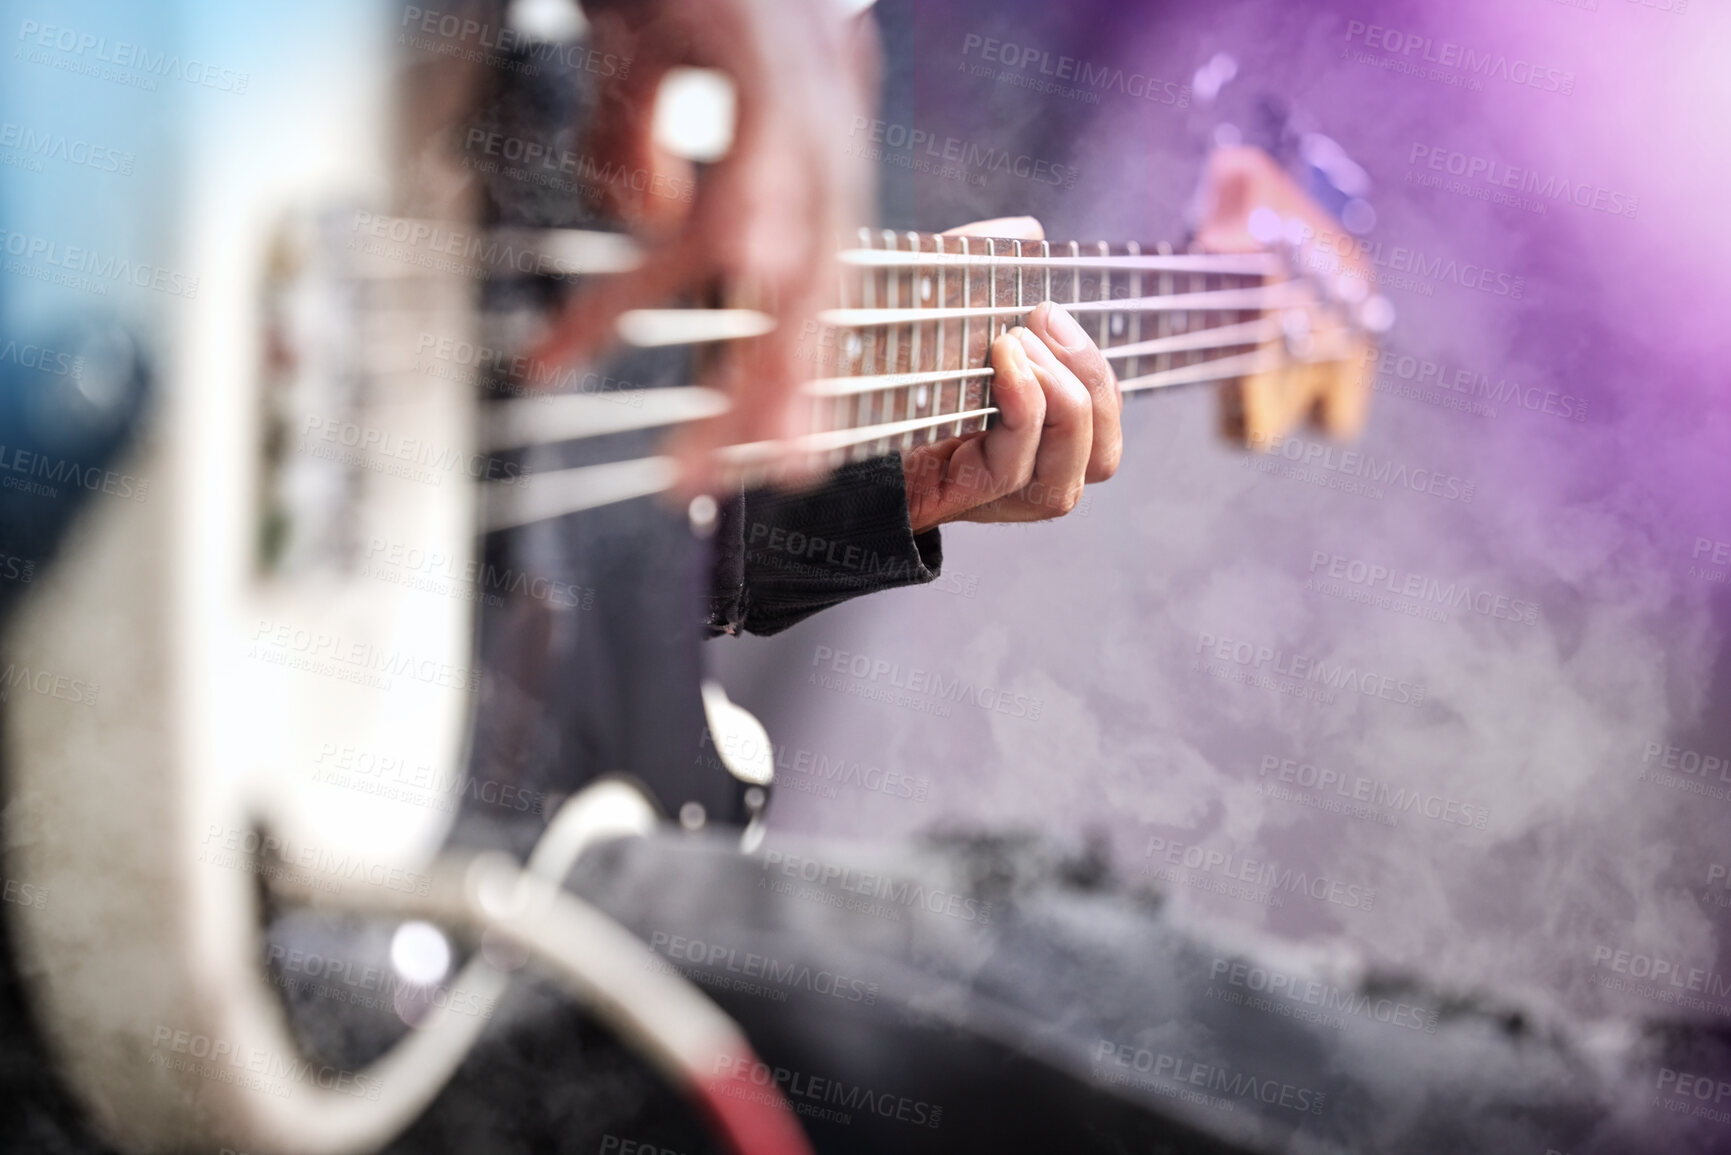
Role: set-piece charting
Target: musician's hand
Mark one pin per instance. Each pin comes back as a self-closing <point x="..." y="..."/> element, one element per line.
<point x="1057" y="428"/>
<point x="765" y="217"/>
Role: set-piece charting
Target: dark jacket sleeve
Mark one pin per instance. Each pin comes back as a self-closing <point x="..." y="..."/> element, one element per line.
<point x="781" y="557"/>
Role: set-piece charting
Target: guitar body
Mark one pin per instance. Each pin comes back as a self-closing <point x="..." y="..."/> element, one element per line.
<point x="301" y="659"/>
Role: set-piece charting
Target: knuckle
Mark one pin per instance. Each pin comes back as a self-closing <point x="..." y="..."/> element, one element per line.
<point x="1104" y="465"/>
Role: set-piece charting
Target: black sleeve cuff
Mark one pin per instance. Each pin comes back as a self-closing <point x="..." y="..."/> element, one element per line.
<point x="781" y="557"/>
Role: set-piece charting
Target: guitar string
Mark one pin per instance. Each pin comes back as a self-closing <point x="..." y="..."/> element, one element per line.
<point x="1248" y="264"/>
<point x="1210" y="300"/>
<point x="554" y="493"/>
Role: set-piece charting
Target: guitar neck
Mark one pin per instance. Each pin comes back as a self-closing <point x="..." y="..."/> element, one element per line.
<point x="903" y="360"/>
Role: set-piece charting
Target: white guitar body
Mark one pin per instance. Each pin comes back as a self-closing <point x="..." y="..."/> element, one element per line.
<point x="234" y="698"/>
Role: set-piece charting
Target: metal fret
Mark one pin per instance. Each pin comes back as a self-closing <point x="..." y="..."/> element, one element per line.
<point x="898" y="354"/>
<point x="865" y="364"/>
<point x="994" y="328"/>
<point x="1020" y="271"/>
<point x="1104" y="284"/>
<point x="1163" y="327"/>
<point x="1075" y="276"/>
<point x="966" y="352"/>
<point x="1198" y="284"/>
<point x="939" y="296"/>
<point x="1135" y="334"/>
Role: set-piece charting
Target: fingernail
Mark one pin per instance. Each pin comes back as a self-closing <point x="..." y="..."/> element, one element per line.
<point x="1064" y="328"/>
<point x="1019" y="351"/>
<point x="1030" y="347"/>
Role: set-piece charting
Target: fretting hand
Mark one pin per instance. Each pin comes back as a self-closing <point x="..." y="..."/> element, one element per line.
<point x="1057" y="428"/>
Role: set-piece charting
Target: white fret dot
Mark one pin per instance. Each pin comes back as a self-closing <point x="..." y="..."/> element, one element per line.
<point x="925" y="288"/>
<point x="852" y="345"/>
<point x="1117" y="324"/>
<point x="921" y="396"/>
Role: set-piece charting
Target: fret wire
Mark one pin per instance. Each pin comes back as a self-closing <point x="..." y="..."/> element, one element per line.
<point x="823" y="411"/>
<point x="940" y="339"/>
<point x="994" y="324"/>
<point x="887" y="411"/>
<point x="968" y="296"/>
<point x="1135" y="333"/>
<point x="897" y="399"/>
<point x="883" y="363"/>
<point x="932" y="343"/>
<point x="901" y="399"/>
<point x="1075" y="277"/>
<point x="1020" y="269"/>
<point x="967" y="353"/>
<point x="868" y="289"/>
<point x="879" y="363"/>
<point x="893" y="241"/>
<point x="1163" y="327"/>
<point x="940" y="299"/>
<point x="892" y="343"/>
<point x="1201" y="318"/>
<point x="1240" y="316"/>
<point x="1103" y="283"/>
<point x="882" y="402"/>
<point x="905" y="442"/>
<point x="1199" y="282"/>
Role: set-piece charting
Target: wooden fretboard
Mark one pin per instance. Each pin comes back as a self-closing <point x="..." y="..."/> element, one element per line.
<point x="1162" y="318"/>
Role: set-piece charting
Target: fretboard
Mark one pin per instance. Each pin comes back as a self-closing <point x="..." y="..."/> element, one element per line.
<point x="905" y="355"/>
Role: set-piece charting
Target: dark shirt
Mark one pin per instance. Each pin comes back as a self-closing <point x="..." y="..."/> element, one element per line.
<point x="782" y="556"/>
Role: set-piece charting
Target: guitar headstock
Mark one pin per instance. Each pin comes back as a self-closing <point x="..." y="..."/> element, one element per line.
<point x="1281" y="185"/>
<point x="1327" y="326"/>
